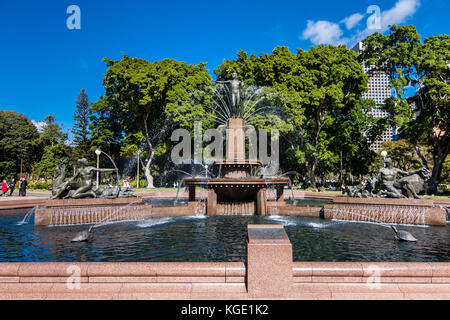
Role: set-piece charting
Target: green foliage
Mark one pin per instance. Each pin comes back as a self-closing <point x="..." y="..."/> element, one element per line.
<point x="39" y="185"/>
<point x="80" y="129"/>
<point x="403" y="154"/>
<point x="19" y="142"/>
<point x="52" y="156"/>
<point x="106" y="132"/>
<point x="52" y="132"/>
<point x="142" y="183"/>
<point x="55" y="150"/>
<point x="425" y="65"/>
<point x="147" y="100"/>
<point x="446" y="170"/>
<point x="152" y="97"/>
<point x="320" y="93"/>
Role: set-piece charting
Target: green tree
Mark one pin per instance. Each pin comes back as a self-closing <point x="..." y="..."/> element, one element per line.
<point x="52" y="132"/>
<point x="52" y="156"/>
<point x="403" y="154"/>
<point x="139" y="92"/>
<point x="320" y="92"/>
<point x="55" y="149"/>
<point x="424" y="65"/>
<point x="80" y="129"/>
<point x="106" y="132"/>
<point x="19" y="144"/>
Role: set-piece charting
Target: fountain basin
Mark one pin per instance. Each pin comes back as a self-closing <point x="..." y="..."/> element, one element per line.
<point x="87" y="211"/>
<point x="217" y="238"/>
<point x="386" y="210"/>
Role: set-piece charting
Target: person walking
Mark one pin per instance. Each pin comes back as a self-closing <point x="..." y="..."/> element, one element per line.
<point x="12" y="186"/>
<point x="4" y="188"/>
<point x="23" y="186"/>
<point x="343" y="188"/>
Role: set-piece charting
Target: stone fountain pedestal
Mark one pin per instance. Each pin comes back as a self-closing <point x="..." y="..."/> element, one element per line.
<point x="237" y="196"/>
<point x="236" y="191"/>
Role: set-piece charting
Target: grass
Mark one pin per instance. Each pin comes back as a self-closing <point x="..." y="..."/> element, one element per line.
<point x="436" y="197"/>
<point x="156" y="190"/>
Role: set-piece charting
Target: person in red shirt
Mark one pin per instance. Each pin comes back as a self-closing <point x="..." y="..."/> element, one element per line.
<point x="4" y="188"/>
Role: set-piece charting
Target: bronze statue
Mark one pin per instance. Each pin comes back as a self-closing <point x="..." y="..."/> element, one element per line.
<point x="114" y="192"/>
<point x="235" y="89"/>
<point x="364" y="191"/>
<point x="60" y="172"/>
<point x="409" y="186"/>
<point x="388" y="175"/>
<point x="394" y="188"/>
<point x="414" y="183"/>
<point x="80" y="185"/>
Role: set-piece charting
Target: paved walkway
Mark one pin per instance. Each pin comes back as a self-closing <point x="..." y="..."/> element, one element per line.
<point x="32" y="199"/>
<point x="30" y="195"/>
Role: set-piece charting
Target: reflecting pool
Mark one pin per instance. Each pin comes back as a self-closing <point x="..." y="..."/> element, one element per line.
<point x="218" y="238"/>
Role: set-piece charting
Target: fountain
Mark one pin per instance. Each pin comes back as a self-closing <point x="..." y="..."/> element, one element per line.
<point x="236" y="185"/>
<point x="236" y="191"/>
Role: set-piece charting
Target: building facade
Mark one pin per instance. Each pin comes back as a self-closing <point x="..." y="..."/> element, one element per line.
<point x="379" y="90"/>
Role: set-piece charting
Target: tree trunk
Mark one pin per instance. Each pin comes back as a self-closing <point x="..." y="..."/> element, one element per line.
<point x="311" y="173"/>
<point x="441" y="151"/>
<point x="436" y="174"/>
<point x="315" y="162"/>
<point x="147" y="173"/>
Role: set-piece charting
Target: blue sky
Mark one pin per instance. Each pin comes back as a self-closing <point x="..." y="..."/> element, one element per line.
<point x="44" y="65"/>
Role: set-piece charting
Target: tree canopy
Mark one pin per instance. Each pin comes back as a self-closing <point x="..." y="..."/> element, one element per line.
<point x="140" y="92"/>
<point x="321" y="93"/>
<point x="424" y="66"/>
<point x="55" y="150"/>
<point x="19" y="143"/>
<point x="80" y="129"/>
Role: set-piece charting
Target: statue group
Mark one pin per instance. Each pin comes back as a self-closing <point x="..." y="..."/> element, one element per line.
<point x="410" y="186"/>
<point x="81" y="184"/>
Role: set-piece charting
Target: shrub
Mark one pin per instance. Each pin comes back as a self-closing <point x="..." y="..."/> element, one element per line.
<point x="142" y="183"/>
<point x="39" y="185"/>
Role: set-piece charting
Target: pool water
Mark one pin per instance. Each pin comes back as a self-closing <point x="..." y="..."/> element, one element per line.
<point x="218" y="238"/>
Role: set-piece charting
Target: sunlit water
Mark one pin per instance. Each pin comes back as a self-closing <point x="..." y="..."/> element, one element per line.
<point x="219" y="238"/>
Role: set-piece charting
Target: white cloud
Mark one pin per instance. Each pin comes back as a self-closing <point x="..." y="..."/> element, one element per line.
<point x="322" y="32"/>
<point x="328" y="32"/>
<point x="402" y="10"/>
<point x="353" y="20"/>
<point x="40" y="126"/>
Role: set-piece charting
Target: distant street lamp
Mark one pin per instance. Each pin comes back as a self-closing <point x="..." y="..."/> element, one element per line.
<point x="97" y="152"/>
<point x="384" y="154"/>
<point x="137" y="173"/>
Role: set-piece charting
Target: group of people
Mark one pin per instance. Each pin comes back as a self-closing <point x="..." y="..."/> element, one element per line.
<point x="11" y="185"/>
